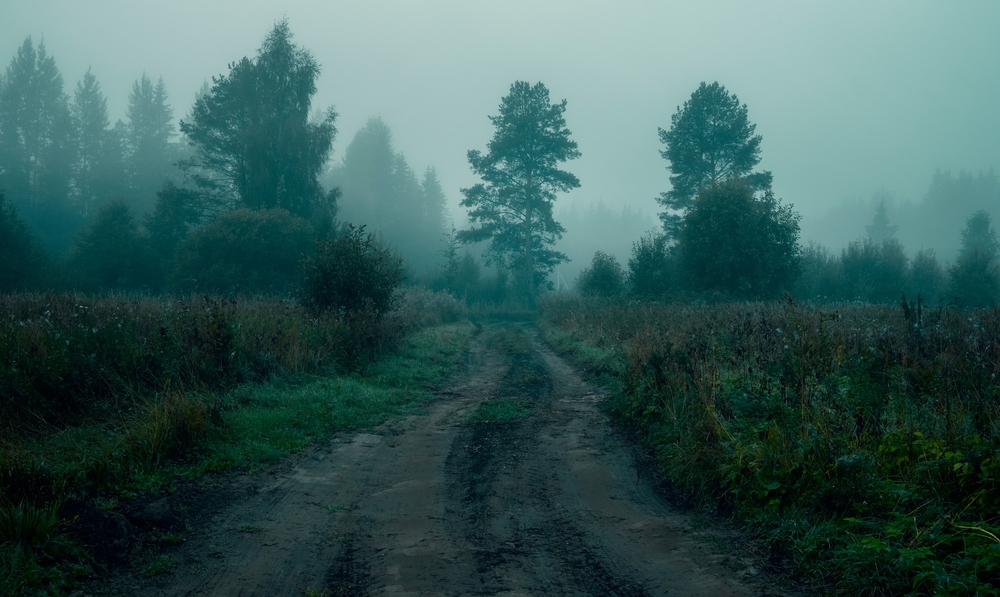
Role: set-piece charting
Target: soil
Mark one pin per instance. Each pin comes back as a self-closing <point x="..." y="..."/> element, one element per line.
<point x="554" y="503"/>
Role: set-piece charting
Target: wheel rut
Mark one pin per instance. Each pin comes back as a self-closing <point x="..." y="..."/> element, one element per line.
<point x="445" y="503"/>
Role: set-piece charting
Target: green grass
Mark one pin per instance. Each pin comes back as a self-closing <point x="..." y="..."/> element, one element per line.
<point x="185" y="434"/>
<point x="500" y="410"/>
<point x="864" y="441"/>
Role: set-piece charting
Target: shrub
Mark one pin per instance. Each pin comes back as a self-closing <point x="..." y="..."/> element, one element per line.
<point x="353" y="272"/>
<point x="604" y="277"/>
<point x="244" y="252"/>
<point x="650" y="268"/>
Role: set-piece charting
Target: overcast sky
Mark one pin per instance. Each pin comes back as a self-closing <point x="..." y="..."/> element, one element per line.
<point x="848" y="96"/>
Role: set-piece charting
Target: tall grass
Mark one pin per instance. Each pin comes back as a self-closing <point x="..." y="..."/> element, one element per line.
<point x="865" y="440"/>
<point x="115" y="396"/>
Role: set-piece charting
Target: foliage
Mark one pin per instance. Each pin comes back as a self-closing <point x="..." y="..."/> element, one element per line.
<point x="651" y="267"/>
<point x="353" y="272"/>
<point x="880" y="230"/>
<point x="149" y="126"/>
<point x="244" y="252"/>
<point x="863" y="440"/>
<point x="926" y="277"/>
<point x="110" y="254"/>
<point x="20" y="258"/>
<point x="512" y="207"/>
<point x="118" y="421"/>
<point x="604" y="277"/>
<point x="37" y="149"/>
<point x="381" y="192"/>
<point x="710" y="139"/>
<point x="175" y="213"/>
<point x="873" y="272"/>
<point x="256" y="147"/>
<point x="975" y="275"/>
<point x="738" y="244"/>
<point x="99" y="148"/>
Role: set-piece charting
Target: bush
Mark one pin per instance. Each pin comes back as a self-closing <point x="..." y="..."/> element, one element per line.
<point x="353" y="272"/>
<point x="604" y="277"/>
<point x="651" y="267"/>
<point x="244" y="252"/>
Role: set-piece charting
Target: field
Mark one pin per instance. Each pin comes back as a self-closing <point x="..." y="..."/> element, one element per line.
<point x="106" y="400"/>
<point x="862" y="440"/>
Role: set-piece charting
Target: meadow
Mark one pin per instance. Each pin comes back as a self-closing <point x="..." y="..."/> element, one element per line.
<point x="110" y="399"/>
<point x="861" y="440"/>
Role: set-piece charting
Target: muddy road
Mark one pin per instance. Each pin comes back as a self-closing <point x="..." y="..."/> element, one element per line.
<point x="440" y="503"/>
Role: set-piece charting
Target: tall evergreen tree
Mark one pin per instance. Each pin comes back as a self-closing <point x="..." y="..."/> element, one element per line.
<point x="381" y="191"/>
<point x="512" y="207"/>
<point x="99" y="161"/>
<point x="37" y="148"/>
<point x="255" y="144"/>
<point x="148" y="130"/>
<point x="710" y="139"/>
<point x="880" y="229"/>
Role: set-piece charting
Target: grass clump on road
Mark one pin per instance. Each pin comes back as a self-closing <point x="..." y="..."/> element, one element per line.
<point x="500" y="410"/>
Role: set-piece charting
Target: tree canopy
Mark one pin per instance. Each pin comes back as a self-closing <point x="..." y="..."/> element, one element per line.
<point x="710" y="139"/>
<point x="739" y="244"/>
<point x="255" y="144"/>
<point x="512" y="207"/>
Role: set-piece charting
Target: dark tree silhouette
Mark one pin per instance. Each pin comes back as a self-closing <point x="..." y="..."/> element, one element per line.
<point x="255" y="145"/>
<point x="148" y="130"/>
<point x="710" y="139"/>
<point x="512" y="207"/>
<point x="738" y="244"/>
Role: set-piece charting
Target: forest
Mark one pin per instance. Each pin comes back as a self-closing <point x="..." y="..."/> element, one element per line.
<point x="168" y="290"/>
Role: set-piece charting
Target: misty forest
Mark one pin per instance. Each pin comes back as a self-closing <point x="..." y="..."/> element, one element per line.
<point x="203" y="301"/>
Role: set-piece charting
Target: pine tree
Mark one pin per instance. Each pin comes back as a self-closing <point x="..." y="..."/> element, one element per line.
<point x="99" y="160"/>
<point x="880" y="229"/>
<point x="148" y="129"/>
<point x="37" y="149"/>
<point x="512" y="207"/>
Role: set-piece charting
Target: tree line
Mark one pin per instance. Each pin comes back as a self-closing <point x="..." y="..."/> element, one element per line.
<point x="251" y="195"/>
<point x="234" y="205"/>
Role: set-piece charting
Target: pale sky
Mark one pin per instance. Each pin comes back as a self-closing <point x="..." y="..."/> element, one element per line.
<point x="848" y="96"/>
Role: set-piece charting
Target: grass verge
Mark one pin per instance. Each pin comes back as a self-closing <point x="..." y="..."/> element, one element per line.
<point x="185" y="434"/>
<point x="862" y="440"/>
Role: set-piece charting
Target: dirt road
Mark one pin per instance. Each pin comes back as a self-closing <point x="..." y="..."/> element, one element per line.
<point x="549" y="504"/>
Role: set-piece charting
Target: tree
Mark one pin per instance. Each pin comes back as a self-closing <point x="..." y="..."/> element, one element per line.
<point x="604" y="277"/>
<point x="880" y="229"/>
<point x="382" y="192"/>
<point x="710" y="139"/>
<point x="975" y="276"/>
<point x="176" y="212"/>
<point x="651" y="267"/>
<point x="244" y="252"/>
<point x="255" y="144"/>
<point x="148" y="130"/>
<point x="927" y="278"/>
<point x="110" y="253"/>
<point x="512" y="207"/>
<point x="20" y="259"/>
<point x="37" y="148"/>
<point x="738" y="244"/>
<point x="99" y="157"/>
<point x="874" y="272"/>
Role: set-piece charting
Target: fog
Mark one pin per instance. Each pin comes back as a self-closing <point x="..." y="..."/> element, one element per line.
<point x="850" y="97"/>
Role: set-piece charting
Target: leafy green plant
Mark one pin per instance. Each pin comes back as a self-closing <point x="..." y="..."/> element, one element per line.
<point x="351" y="273"/>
